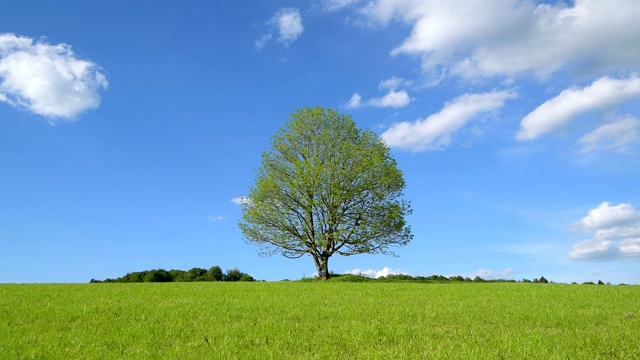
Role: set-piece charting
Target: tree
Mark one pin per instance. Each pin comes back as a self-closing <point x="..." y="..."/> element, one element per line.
<point x="236" y="275"/>
<point x="326" y="187"/>
<point x="159" y="275"/>
<point x="214" y="274"/>
<point x="247" y="277"/>
<point x="196" y="274"/>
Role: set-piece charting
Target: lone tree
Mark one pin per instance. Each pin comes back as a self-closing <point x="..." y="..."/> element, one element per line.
<point x="326" y="187"/>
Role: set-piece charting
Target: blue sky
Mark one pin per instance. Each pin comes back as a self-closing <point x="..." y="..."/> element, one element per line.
<point x="130" y="130"/>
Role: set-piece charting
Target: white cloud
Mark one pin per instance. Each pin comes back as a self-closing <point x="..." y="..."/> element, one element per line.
<point x="47" y="79"/>
<point x="376" y="273"/>
<point x="618" y="135"/>
<point x="355" y="101"/>
<point x="555" y="113"/>
<point x="607" y="216"/>
<point x="289" y="23"/>
<point x="515" y="37"/>
<point x="241" y="200"/>
<point x="393" y="83"/>
<point x="491" y="274"/>
<point x="333" y="5"/>
<point x="217" y="217"/>
<point x="616" y="234"/>
<point x="435" y="131"/>
<point x="262" y="41"/>
<point x="393" y="99"/>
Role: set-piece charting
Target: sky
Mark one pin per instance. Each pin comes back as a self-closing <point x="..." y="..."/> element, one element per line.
<point x="130" y="131"/>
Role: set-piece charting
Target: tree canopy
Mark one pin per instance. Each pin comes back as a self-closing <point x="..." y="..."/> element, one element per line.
<point x="326" y="187"/>
<point x="194" y="275"/>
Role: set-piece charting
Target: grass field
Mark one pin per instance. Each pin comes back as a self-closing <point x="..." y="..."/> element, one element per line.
<point x="319" y="320"/>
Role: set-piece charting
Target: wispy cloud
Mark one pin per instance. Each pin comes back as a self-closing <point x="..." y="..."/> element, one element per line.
<point x="217" y="217"/>
<point x="393" y="83"/>
<point x="619" y="135"/>
<point x="435" y="131"/>
<point x="616" y="234"/>
<point x="557" y="112"/>
<point x="46" y="79"/>
<point x="333" y="5"/>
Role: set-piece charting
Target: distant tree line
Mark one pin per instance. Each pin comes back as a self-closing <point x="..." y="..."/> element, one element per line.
<point x="422" y="279"/>
<point x="215" y="273"/>
<point x="436" y="279"/>
<point x="409" y="278"/>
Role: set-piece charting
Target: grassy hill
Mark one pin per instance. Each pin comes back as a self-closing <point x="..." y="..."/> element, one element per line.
<point x="319" y="320"/>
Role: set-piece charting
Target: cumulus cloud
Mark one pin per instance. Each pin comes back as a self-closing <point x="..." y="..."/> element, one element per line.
<point x="515" y="37"/>
<point x="618" y="135"/>
<point x="393" y="99"/>
<point x="376" y="273"/>
<point x="46" y="79"/>
<point x="435" y="131"/>
<point x="555" y="113"/>
<point x="616" y="234"/>
<point x="287" y="22"/>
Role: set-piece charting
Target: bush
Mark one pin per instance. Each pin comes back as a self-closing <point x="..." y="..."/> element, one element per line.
<point x="246" y="277"/>
<point x="350" y="278"/>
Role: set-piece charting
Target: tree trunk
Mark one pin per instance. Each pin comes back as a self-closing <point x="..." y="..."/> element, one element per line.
<point x="322" y="265"/>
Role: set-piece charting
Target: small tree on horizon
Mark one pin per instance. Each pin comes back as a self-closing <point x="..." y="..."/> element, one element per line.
<point x="326" y="187"/>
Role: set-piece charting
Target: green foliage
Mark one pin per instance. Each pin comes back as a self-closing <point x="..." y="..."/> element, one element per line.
<point x="235" y="275"/>
<point x="319" y="320"/>
<point x="246" y="277"/>
<point x="160" y="275"/>
<point x="214" y="274"/>
<point x="195" y="274"/>
<point x="326" y="187"/>
<point x="436" y="279"/>
<point x="349" y="278"/>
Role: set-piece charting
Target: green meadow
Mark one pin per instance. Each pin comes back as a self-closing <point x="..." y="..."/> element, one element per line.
<point x="319" y="320"/>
